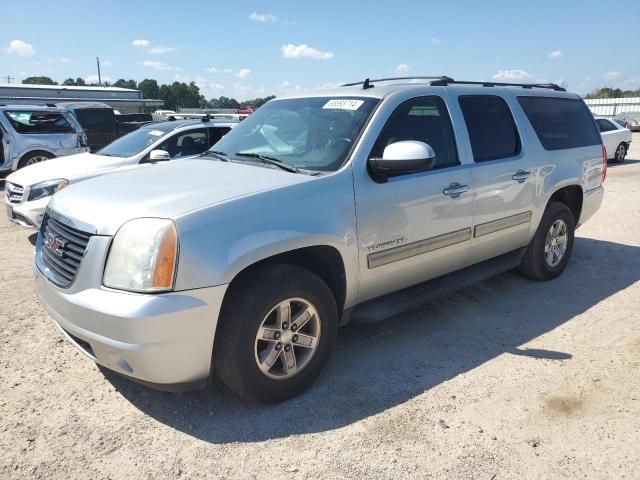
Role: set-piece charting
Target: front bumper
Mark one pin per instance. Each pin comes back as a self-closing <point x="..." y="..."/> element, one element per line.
<point x="162" y="340"/>
<point x="27" y="214"/>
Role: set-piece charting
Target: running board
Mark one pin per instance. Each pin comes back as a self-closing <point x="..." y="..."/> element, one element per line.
<point x="415" y="296"/>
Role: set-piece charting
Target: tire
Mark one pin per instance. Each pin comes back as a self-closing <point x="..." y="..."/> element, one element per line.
<point x="32" y="158"/>
<point x="252" y="303"/>
<point x="620" y="153"/>
<point x="535" y="263"/>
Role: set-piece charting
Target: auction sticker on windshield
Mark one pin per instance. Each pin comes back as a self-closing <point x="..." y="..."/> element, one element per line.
<point x="343" y="104"/>
<point x="156" y="133"/>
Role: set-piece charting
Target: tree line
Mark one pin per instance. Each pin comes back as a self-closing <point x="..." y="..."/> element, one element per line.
<point x="175" y="95"/>
<point x="607" y="92"/>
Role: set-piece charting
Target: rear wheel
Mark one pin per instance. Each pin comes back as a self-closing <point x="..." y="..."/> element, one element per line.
<point x="277" y="329"/>
<point x="34" y="157"/>
<point x="548" y="253"/>
<point x="621" y="153"/>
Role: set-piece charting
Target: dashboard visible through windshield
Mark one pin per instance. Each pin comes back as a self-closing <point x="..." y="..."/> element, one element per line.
<point x="307" y="133"/>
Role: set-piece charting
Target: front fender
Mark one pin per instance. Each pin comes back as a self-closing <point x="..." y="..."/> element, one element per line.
<point x="220" y="241"/>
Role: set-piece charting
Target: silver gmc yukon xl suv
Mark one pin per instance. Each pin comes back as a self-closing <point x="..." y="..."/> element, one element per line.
<point x="349" y="204"/>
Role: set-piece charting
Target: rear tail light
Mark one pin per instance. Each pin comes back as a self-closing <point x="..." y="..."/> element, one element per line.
<point x="604" y="163"/>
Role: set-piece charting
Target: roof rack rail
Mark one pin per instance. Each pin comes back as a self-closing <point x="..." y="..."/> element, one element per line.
<point x="443" y="81"/>
<point x="367" y="82"/>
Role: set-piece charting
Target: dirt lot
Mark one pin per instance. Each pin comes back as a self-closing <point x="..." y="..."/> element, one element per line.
<point x="508" y="379"/>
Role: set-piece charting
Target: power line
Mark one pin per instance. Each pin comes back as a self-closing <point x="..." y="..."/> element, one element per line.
<point x="9" y="78"/>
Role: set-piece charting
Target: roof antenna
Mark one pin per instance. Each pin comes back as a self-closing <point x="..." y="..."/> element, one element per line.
<point x="366" y="84"/>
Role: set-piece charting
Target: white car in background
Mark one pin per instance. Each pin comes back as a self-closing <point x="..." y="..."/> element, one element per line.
<point x="615" y="138"/>
<point x="29" y="190"/>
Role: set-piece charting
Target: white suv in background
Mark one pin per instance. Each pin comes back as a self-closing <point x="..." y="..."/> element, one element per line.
<point x="29" y="190"/>
<point x="615" y="137"/>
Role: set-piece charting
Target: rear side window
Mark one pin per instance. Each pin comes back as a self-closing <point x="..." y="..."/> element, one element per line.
<point x="24" y="121"/>
<point x="424" y="119"/>
<point x="96" y="119"/>
<point x="216" y="133"/>
<point x="561" y="123"/>
<point x="605" y="125"/>
<point x="491" y="128"/>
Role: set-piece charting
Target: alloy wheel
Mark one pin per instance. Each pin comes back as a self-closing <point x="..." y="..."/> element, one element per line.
<point x="287" y="338"/>
<point x="555" y="244"/>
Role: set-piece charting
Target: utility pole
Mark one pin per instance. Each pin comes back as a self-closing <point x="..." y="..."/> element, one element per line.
<point x="99" y="78"/>
<point x="9" y="78"/>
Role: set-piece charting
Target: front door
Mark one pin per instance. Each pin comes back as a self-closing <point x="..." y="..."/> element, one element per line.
<point x="417" y="226"/>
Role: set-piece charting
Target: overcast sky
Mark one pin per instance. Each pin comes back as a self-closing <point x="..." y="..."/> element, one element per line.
<point x="245" y="49"/>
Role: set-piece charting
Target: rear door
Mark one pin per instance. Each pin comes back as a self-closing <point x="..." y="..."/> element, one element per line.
<point x="502" y="177"/>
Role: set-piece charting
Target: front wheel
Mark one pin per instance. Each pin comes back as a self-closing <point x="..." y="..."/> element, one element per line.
<point x="548" y="253"/>
<point x="277" y="329"/>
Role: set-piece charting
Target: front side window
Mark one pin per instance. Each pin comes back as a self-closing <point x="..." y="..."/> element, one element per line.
<point x="35" y="122"/>
<point x="314" y="134"/>
<point x="492" y="131"/>
<point x="186" y="144"/>
<point x="426" y="120"/>
<point x="561" y="123"/>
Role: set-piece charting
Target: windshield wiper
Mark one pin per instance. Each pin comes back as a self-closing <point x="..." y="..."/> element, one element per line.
<point x="215" y="154"/>
<point x="270" y="161"/>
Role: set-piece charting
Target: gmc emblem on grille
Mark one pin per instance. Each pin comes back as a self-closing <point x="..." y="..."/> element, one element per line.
<point x="54" y="244"/>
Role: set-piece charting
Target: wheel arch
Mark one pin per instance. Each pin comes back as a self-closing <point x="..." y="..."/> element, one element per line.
<point x="19" y="160"/>
<point x="572" y="197"/>
<point x="323" y="260"/>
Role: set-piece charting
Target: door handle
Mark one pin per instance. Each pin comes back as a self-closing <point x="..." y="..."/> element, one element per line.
<point x="454" y="190"/>
<point x="521" y="175"/>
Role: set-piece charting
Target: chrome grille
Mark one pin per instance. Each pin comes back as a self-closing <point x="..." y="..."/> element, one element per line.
<point x="15" y="192"/>
<point x="61" y="249"/>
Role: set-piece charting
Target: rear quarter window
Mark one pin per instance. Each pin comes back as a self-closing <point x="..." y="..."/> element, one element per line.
<point x="561" y="123"/>
<point x="38" y="122"/>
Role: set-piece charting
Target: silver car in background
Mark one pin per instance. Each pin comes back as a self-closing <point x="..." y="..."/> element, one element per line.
<point x="32" y="134"/>
<point x="353" y="203"/>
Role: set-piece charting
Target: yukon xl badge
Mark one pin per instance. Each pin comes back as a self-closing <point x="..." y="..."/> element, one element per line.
<point x="54" y="244"/>
<point x="390" y="243"/>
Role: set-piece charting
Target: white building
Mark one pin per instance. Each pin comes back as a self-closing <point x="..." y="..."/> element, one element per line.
<point x="125" y="100"/>
<point x="609" y="107"/>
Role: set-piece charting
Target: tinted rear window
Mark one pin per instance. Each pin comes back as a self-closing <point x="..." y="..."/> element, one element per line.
<point x="561" y="123"/>
<point x="491" y="128"/>
<point x="96" y="118"/>
<point x="38" y="122"/>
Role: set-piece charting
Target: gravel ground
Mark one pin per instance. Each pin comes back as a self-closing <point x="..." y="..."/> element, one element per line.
<point x="507" y="379"/>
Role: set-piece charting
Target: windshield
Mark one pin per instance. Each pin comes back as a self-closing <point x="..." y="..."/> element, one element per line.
<point x="307" y="133"/>
<point x="136" y="141"/>
<point x="633" y="115"/>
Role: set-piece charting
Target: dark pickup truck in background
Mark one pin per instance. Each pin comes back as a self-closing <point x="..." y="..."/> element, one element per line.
<point x="102" y="123"/>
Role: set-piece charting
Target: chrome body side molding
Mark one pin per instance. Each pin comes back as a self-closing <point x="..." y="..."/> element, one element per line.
<point x="390" y="255"/>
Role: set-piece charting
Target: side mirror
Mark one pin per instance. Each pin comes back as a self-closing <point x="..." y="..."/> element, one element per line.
<point x="159" y="156"/>
<point x="399" y="158"/>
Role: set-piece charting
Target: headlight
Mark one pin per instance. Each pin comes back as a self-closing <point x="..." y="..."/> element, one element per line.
<point x="46" y="189"/>
<point x="143" y="256"/>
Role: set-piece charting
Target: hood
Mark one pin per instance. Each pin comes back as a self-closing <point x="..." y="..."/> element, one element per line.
<point x="72" y="167"/>
<point x="164" y="190"/>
